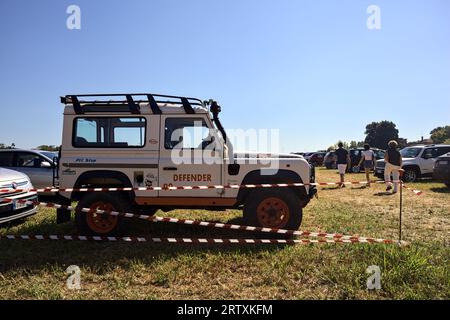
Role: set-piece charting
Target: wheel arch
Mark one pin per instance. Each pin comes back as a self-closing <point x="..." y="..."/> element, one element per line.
<point x="103" y="178"/>
<point x="282" y="176"/>
<point x="414" y="167"/>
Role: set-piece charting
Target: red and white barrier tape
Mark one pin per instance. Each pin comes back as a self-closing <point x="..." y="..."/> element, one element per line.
<point x="205" y="187"/>
<point x="330" y="236"/>
<point x="415" y="191"/>
<point x="181" y="240"/>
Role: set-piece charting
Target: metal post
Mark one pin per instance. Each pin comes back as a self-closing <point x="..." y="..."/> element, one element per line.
<point x="401" y="205"/>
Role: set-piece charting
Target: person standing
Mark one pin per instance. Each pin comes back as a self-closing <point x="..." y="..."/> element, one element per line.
<point x="393" y="160"/>
<point x="343" y="159"/>
<point x="368" y="158"/>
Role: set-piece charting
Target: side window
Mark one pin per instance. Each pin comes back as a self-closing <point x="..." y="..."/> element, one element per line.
<point x="430" y="153"/>
<point x="6" y="159"/>
<point x="29" y="160"/>
<point x="186" y="133"/>
<point x="443" y="150"/>
<point x="109" y="132"/>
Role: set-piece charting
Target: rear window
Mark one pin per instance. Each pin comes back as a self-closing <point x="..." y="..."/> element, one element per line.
<point x="109" y="132"/>
<point x="6" y="159"/>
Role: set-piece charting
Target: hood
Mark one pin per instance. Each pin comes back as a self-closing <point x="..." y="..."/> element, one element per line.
<point x="403" y="159"/>
<point x="7" y="175"/>
<point x="271" y="155"/>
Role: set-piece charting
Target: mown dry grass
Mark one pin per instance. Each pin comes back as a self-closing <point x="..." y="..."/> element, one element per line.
<point x="36" y="270"/>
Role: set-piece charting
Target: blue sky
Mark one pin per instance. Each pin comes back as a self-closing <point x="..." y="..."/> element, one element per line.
<point x="309" y="68"/>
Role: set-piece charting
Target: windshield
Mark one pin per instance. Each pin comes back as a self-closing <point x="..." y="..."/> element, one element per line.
<point x="410" y="152"/>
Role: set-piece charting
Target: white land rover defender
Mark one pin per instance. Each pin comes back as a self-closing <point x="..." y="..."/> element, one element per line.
<point x="149" y="140"/>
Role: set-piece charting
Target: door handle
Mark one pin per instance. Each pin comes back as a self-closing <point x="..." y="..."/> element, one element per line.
<point x="170" y="168"/>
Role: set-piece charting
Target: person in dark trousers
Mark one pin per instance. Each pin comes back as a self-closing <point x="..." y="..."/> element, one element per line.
<point x="393" y="160"/>
<point x="368" y="159"/>
<point x="343" y="160"/>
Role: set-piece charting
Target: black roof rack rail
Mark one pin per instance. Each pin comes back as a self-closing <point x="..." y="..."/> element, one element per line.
<point x="128" y="103"/>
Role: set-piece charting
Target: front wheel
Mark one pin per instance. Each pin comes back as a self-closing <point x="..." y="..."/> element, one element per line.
<point x="100" y="224"/>
<point x="273" y="209"/>
<point x="410" y="175"/>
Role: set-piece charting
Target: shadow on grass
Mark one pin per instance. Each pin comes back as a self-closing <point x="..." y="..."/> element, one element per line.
<point x="441" y="190"/>
<point x="384" y="194"/>
<point x="37" y="254"/>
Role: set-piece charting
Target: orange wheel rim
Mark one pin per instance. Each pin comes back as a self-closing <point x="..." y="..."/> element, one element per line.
<point x="273" y="213"/>
<point x="101" y="223"/>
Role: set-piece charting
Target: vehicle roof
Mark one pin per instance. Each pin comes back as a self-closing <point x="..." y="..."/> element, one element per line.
<point x="166" y="108"/>
<point x="429" y="146"/>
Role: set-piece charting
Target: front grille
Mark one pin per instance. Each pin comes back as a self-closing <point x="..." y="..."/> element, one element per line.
<point x="9" y="185"/>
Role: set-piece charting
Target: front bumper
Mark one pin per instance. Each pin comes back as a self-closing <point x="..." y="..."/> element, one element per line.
<point x="10" y="211"/>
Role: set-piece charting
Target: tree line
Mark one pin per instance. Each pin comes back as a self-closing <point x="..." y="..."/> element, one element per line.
<point x="378" y="134"/>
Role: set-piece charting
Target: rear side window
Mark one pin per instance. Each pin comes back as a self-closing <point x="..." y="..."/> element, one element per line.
<point x="6" y="159"/>
<point x="109" y="132"/>
<point x="443" y="150"/>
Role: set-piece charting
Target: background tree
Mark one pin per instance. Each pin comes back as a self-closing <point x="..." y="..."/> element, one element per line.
<point x="48" y="148"/>
<point x="440" y="134"/>
<point x="378" y="134"/>
<point x="5" y="146"/>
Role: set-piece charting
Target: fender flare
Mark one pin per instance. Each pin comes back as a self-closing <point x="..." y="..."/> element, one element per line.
<point x="282" y="176"/>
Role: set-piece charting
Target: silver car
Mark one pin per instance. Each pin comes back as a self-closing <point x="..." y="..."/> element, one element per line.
<point x="37" y="165"/>
<point x="12" y="184"/>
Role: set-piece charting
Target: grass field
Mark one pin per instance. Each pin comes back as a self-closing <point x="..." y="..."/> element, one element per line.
<point x="36" y="269"/>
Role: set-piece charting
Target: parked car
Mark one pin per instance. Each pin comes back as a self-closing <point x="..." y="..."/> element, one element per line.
<point x="38" y="165"/>
<point x="330" y="160"/>
<point x="10" y="182"/>
<point x="355" y="157"/>
<point x="307" y="155"/>
<point x="316" y="159"/>
<point x="441" y="170"/>
<point x="418" y="161"/>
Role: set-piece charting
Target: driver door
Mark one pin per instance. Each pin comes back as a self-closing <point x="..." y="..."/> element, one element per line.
<point x="37" y="168"/>
<point x="187" y="157"/>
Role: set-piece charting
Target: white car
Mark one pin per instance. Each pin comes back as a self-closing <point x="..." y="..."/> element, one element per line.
<point x="418" y="161"/>
<point x="11" y="184"/>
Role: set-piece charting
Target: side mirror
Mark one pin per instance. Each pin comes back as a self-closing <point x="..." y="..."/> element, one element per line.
<point x="45" y="164"/>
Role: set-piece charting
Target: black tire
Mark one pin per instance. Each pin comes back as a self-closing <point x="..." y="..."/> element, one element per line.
<point x="108" y="225"/>
<point x="356" y="169"/>
<point x="448" y="185"/>
<point x="410" y="175"/>
<point x="284" y="203"/>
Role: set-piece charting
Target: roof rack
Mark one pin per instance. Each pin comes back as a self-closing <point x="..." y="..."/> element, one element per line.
<point x="128" y="103"/>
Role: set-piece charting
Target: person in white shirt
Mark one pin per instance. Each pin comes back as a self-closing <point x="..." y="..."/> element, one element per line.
<point x="368" y="158"/>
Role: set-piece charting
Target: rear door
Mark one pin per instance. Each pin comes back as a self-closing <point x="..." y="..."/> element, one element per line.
<point x="187" y="158"/>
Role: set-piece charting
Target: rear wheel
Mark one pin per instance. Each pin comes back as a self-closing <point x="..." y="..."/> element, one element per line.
<point x="273" y="209"/>
<point x="91" y="223"/>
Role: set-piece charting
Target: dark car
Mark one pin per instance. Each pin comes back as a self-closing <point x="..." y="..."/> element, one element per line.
<point x="330" y="160"/>
<point x="441" y="170"/>
<point x="355" y="157"/>
<point x="316" y="159"/>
